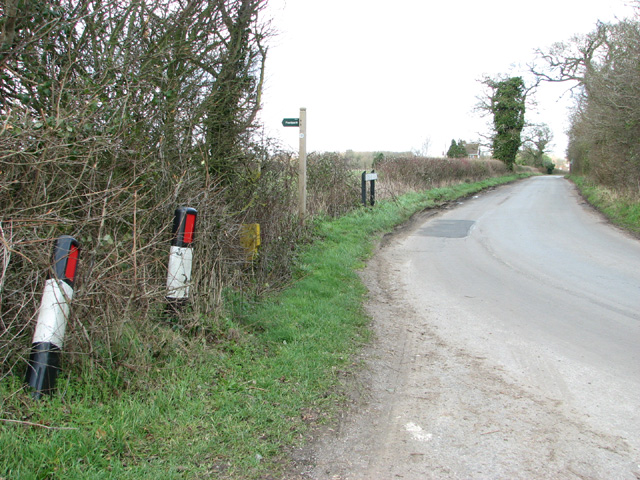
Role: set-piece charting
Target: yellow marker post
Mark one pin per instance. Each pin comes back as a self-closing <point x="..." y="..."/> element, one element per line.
<point x="250" y="239"/>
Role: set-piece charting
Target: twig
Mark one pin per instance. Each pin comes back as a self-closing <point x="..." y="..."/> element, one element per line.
<point x="31" y="424"/>
<point x="6" y="253"/>
<point x="135" y="234"/>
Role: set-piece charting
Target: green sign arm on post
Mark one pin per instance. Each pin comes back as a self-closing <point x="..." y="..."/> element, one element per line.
<point x="290" y="122"/>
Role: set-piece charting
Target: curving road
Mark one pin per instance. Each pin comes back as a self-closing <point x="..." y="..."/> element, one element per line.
<point x="532" y="278"/>
<point x="508" y="346"/>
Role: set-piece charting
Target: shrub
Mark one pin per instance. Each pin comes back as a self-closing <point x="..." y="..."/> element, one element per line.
<point x="549" y="166"/>
<point x="332" y="186"/>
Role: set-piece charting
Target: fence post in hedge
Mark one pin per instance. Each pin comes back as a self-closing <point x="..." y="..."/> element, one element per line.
<point x="364" y="188"/>
<point x="48" y="338"/>
<point x="180" y="258"/>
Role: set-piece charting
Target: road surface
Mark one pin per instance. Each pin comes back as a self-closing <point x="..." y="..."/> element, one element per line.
<point x="507" y="346"/>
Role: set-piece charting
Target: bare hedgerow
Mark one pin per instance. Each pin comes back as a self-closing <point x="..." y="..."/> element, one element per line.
<point x="122" y="214"/>
<point x="106" y="111"/>
<point x="410" y="173"/>
<point x="333" y="187"/>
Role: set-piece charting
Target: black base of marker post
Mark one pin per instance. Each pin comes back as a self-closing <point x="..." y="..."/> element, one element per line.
<point x="48" y="337"/>
<point x="43" y="369"/>
<point x="371" y="178"/>
<point x="180" y="259"/>
<point x="372" y="187"/>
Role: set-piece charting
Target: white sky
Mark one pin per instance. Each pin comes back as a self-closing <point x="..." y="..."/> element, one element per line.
<point x="385" y="75"/>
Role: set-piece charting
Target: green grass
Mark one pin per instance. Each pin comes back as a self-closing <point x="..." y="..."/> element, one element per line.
<point x="220" y="406"/>
<point x="620" y="209"/>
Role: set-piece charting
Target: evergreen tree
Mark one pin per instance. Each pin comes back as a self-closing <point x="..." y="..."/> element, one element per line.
<point x="457" y="150"/>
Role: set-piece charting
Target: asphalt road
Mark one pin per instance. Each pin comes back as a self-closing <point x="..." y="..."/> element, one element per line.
<point x="533" y="279"/>
<point x="507" y="346"/>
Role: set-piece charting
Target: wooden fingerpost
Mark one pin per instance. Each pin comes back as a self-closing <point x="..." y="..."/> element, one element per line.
<point x="302" y="174"/>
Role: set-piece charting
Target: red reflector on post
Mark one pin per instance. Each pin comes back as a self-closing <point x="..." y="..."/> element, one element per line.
<point x="72" y="263"/>
<point x="189" y="228"/>
<point x="184" y="226"/>
<point x="65" y="259"/>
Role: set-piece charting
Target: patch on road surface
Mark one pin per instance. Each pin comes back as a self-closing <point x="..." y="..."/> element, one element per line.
<point x="447" y="228"/>
<point x="417" y="432"/>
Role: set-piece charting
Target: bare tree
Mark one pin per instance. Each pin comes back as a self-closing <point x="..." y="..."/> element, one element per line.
<point x="606" y="121"/>
<point x="536" y="144"/>
<point x="423" y="151"/>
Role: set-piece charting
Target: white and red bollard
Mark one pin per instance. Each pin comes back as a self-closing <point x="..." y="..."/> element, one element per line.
<point x="181" y="258"/>
<point x="48" y="338"/>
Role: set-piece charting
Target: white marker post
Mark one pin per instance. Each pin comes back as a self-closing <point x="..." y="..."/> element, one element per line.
<point x="48" y="338"/>
<point x="180" y="258"/>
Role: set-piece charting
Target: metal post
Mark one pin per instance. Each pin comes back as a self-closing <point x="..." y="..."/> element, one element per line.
<point x="48" y="337"/>
<point x="372" y="191"/>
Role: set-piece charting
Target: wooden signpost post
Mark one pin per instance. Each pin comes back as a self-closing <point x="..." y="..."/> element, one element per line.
<point x="302" y="168"/>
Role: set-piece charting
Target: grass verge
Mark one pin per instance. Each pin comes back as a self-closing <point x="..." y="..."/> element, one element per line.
<point x="226" y="405"/>
<point x="621" y="210"/>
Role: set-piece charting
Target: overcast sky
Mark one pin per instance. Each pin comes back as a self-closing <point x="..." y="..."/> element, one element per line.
<point x="381" y="75"/>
